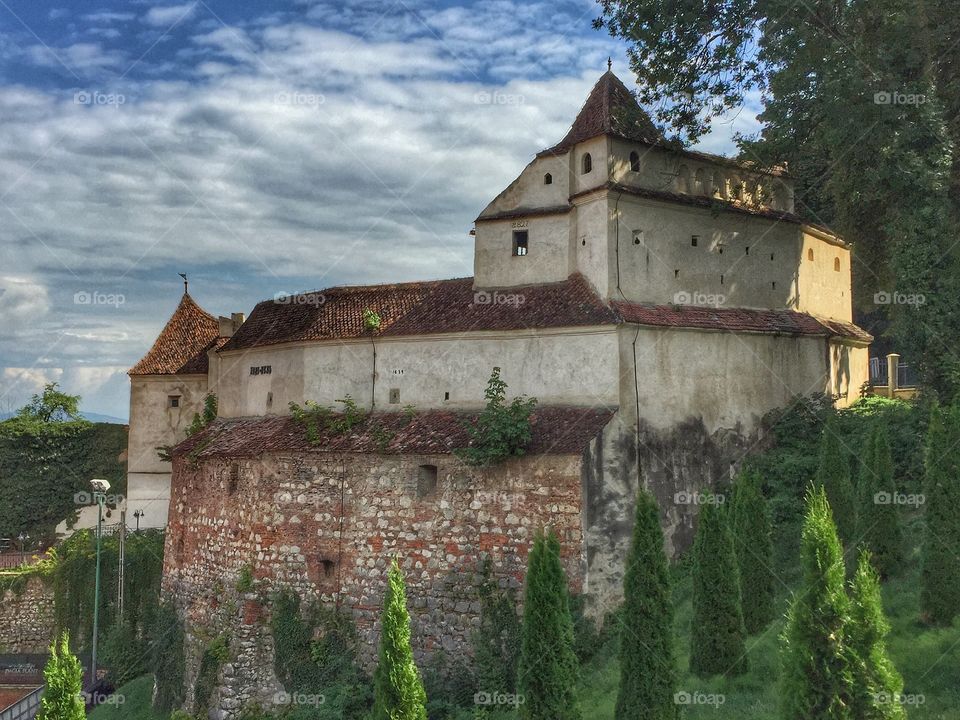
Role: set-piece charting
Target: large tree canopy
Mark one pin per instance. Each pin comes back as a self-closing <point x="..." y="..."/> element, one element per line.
<point x="860" y="102"/>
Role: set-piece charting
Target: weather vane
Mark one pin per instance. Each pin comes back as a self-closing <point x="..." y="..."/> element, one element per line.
<point x="184" y="276"/>
<point x="609" y="63"/>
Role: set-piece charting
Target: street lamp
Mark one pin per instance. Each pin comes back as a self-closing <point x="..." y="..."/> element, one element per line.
<point x="100" y="488"/>
<point x="138" y="514"/>
<point x="22" y="537"/>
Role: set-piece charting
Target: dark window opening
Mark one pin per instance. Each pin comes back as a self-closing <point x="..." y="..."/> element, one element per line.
<point x="329" y="566"/>
<point x="394" y="396"/>
<point x="810" y="254"/>
<point x="548" y="179"/>
<point x="836" y="264"/>
<point x="234" y="478"/>
<point x="676" y="273"/>
<point x="721" y="279"/>
<point x="694" y="240"/>
<point x="446" y="395"/>
<point x="583" y="242"/>
<point x="587" y="163"/>
<point x="520" y="240"/>
<point x="747" y="249"/>
<point x="773" y="285"/>
<point x="634" y="161"/>
<point x="173" y="401"/>
<point x="269" y="399"/>
<point x="771" y="256"/>
<point x="426" y="480"/>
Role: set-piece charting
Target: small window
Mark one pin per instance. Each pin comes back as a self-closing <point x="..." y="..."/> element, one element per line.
<point x="773" y="285"/>
<point x="721" y="279"/>
<point x="234" y="478"/>
<point x="548" y="179"/>
<point x="446" y="395"/>
<point x="586" y="163"/>
<point x="694" y="240"/>
<point x="747" y="250"/>
<point x="634" y="161"/>
<point x="810" y="254"/>
<point x="173" y="401"/>
<point x="269" y="399"/>
<point x="394" y="396"/>
<point x="329" y="566"/>
<point x="836" y="264"/>
<point x="426" y="480"/>
<point x="520" y="239"/>
<point x="771" y="256"/>
<point x="676" y="274"/>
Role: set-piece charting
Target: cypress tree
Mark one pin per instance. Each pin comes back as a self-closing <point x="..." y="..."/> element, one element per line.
<point x="878" y="685"/>
<point x="940" y="564"/>
<point x="718" y="636"/>
<point x="878" y="516"/>
<point x="752" y="530"/>
<point x="63" y="696"/>
<point x="647" y="669"/>
<point x="833" y="473"/>
<point x="818" y="663"/>
<point x="398" y="688"/>
<point x="548" y="664"/>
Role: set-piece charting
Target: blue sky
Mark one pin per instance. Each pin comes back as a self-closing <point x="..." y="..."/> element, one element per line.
<point x="260" y="147"/>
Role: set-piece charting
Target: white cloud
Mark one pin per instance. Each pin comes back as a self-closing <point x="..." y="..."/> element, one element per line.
<point x="168" y="15"/>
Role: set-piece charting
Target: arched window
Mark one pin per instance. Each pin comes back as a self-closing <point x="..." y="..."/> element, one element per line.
<point x="548" y="179"/>
<point x="718" y="186"/>
<point x="586" y="163"/>
<point x="810" y="254"/>
<point x="634" y="161"/>
<point x="700" y="183"/>
<point x="736" y="188"/>
<point x="836" y="264"/>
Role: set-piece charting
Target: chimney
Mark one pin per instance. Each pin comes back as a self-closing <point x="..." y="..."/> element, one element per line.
<point x="229" y="325"/>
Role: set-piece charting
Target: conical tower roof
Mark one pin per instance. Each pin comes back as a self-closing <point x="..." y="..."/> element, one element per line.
<point x="610" y="109"/>
<point x="181" y="348"/>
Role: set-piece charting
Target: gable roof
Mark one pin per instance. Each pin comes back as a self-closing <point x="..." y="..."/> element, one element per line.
<point x="555" y="430"/>
<point x="610" y="109"/>
<point x="181" y="347"/>
<point x="421" y="308"/>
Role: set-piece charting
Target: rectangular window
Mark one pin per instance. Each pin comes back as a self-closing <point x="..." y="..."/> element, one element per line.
<point x="394" y="396"/>
<point x="173" y="401"/>
<point x="520" y="239"/>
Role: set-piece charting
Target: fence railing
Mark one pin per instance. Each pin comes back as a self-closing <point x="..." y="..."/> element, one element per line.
<point x="25" y="708"/>
<point x="880" y="373"/>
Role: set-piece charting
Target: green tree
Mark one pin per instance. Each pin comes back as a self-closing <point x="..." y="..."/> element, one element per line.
<point x="878" y="515"/>
<point x="940" y="562"/>
<point x="548" y="664"/>
<point x="753" y="543"/>
<point x="818" y="662"/>
<point x="496" y="642"/>
<point x="501" y="431"/>
<point x="717" y="633"/>
<point x="647" y="666"/>
<point x="167" y="658"/>
<point x="398" y="687"/>
<point x="833" y="473"/>
<point x="63" y="676"/>
<point x="878" y="685"/>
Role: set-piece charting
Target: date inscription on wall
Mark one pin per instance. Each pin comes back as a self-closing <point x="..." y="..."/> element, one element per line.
<point x="261" y="369"/>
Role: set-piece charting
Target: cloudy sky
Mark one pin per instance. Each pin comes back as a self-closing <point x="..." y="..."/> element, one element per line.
<point x="260" y="147"/>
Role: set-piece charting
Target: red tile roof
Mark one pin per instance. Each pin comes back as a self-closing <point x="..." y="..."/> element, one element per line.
<point x="610" y="109"/>
<point x="777" y="322"/>
<point x="556" y="431"/>
<point x="181" y="348"/>
<point x="421" y="308"/>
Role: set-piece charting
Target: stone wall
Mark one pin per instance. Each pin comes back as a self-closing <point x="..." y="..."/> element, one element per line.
<point x="327" y="525"/>
<point x="27" y="621"/>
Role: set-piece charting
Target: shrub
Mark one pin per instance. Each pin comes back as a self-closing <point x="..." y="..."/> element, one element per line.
<point x="501" y="431"/>
<point x="548" y="664"/>
<point x="496" y="642"/>
<point x="398" y="687"/>
<point x="717" y="635"/>
<point x="167" y="658"/>
<point x="878" y="517"/>
<point x="647" y="670"/>
<point x="63" y="676"/>
<point x="750" y="523"/>
<point x="818" y="662"/>
<point x="833" y="473"/>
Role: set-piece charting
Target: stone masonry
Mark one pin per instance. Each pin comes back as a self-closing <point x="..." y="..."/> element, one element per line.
<point x="27" y="619"/>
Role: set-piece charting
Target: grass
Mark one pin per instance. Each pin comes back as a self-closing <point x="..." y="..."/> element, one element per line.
<point x="136" y="695"/>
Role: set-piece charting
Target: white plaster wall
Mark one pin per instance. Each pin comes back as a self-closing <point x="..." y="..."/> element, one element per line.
<point x="548" y="258"/>
<point x="592" y="249"/>
<point x="726" y="380"/>
<point x="572" y="367"/>
<point x="732" y="260"/>
<point x="150" y="493"/>
<point x="529" y="190"/>
<point x="849" y="370"/>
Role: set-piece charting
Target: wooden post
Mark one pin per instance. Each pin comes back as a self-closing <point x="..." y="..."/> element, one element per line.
<point x="893" y="364"/>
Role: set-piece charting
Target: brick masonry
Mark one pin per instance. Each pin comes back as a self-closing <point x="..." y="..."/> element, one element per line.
<point x="327" y="525"/>
<point x="27" y="620"/>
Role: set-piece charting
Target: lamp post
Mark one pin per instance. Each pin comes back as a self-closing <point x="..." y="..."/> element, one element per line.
<point x="138" y="514"/>
<point x="23" y="537"/>
<point x="100" y="488"/>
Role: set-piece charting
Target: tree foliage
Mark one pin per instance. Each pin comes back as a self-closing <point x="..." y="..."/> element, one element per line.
<point x="817" y="678"/>
<point x="63" y="677"/>
<point x="647" y="664"/>
<point x="753" y="543"/>
<point x="940" y="562"/>
<point x="496" y="642"/>
<point x="878" y="515"/>
<point x="548" y="663"/>
<point x="717" y="633"/>
<point x="833" y="474"/>
<point x="501" y="431"/>
<point x="398" y="687"/>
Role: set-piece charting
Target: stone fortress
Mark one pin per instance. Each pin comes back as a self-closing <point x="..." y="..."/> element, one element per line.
<point x="657" y="302"/>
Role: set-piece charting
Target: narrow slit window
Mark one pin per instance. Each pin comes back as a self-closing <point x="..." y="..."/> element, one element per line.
<point x="520" y="242"/>
<point x="694" y="240"/>
<point x="634" y="161"/>
<point x="810" y="254"/>
<point x="586" y="163"/>
<point x="836" y="264"/>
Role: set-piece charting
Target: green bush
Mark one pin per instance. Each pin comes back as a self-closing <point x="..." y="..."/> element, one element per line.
<point x="833" y="474"/>
<point x="214" y="656"/>
<point x="167" y="657"/>
<point x="496" y="641"/>
<point x="63" y="678"/>
<point x="750" y="524"/>
<point x="878" y="515"/>
<point x="501" y="431"/>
